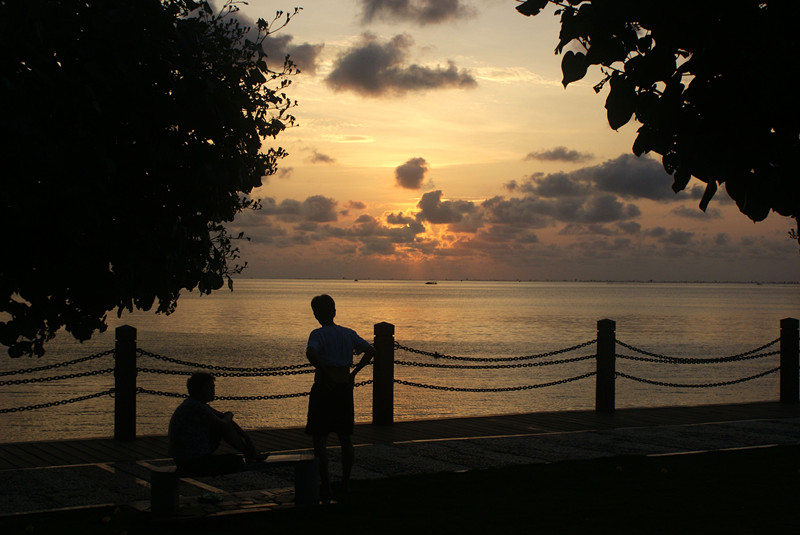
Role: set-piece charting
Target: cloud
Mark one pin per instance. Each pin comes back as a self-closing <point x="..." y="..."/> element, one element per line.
<point x="356" y="205"/>
<point x="559" y="185"/>
<point x="434" y="210"/>
<point x="560" y="154"/>
<point x="318" y="157"/>
<point x="423" y="12"/>
<point x="378" y="69"/>
<point x="277" y="47"/>
<point x="627" y="176"/>
<point x="411" y="174"/>
<point x="399" y="219"/>
<point x="697" y="213"/>
<point x="304" y="56"/>
<point x="285" y="172"/>
<point x="536" y="212"/>
<point x="319" y="209"/>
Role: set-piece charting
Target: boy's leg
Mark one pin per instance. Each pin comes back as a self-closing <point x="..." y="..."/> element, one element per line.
<point x="321" y="453"/>
<point x="348" y="459"/>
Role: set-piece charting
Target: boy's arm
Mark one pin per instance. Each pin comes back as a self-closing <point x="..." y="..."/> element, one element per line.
<point x="369" y="353"/>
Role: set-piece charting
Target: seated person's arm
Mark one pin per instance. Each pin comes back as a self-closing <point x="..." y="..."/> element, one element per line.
<point x="217" y="420"/>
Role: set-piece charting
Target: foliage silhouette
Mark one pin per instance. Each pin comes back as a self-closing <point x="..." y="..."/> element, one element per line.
<point x="135" y="132"/>
<point x="707" y="81"/>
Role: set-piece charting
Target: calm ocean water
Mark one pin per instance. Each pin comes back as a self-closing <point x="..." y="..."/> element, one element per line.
<point x="265" y="323"/>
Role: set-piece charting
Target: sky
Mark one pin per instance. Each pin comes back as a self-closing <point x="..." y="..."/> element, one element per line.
<point x="434" y="140"/>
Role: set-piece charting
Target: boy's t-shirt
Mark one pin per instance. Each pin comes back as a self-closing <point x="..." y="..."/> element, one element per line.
<point x="335" y="345"/>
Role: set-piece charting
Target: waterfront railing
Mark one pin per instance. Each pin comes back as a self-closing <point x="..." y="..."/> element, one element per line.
<point x="130" y="360"/>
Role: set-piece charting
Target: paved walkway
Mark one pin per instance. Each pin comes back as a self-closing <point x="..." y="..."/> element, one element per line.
<point x="125" y="482"/>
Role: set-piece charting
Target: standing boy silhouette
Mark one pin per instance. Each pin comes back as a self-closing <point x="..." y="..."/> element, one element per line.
<point x="330" y="406"/>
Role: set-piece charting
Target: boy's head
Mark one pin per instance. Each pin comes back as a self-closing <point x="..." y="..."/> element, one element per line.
<point x="201" y="386"/>
<point x="324" y="308"/>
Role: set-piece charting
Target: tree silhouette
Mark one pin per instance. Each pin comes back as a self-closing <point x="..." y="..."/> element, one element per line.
<point x="133" y="133"/>
<point x="707" y="81"/>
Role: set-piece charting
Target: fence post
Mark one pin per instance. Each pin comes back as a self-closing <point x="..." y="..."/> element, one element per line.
<point x="383" y="375"/>
<point x="606" y="365"/>
<point x="125" y="383"/>
<point x="790" y="361"/>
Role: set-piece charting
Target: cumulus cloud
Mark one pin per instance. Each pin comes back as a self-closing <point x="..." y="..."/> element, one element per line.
<point x="411" y="174"/>
<point x="277" y="47"/>
<point x="560" y="154"/>
<point x="356" y="205"/>
<point x="377" y="69"/>
<point x="627" y="176"/>
<point x="422" y="12"/>
<point x="319" y="209"/>
<point x="304" y="56"/>
<point x="536" y="212"/>
<point x="399" y="219"/>
<point x="434" y="210"/>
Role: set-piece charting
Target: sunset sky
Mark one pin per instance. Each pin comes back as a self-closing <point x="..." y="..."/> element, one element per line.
<point x="435" y="141"/>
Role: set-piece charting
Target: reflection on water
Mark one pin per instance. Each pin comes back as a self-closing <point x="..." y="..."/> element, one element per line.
<point x="266" y="323"/>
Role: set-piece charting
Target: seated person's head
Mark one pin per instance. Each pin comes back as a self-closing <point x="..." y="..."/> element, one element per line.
<point x="201" y="386"/>
<point x="324" y="308"/>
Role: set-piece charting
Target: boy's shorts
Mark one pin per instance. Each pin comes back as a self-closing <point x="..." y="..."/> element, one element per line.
<point x="330" y="409"/>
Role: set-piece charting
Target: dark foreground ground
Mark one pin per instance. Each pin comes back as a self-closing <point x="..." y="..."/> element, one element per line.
<point x="754" y="491"/>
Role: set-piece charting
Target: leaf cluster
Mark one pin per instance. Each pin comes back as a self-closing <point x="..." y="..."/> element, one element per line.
<point x="134" y="134"/>
<point x="707" y="81"/>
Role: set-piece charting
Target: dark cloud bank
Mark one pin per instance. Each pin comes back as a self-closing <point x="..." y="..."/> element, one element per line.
<point x="375" y="69"/>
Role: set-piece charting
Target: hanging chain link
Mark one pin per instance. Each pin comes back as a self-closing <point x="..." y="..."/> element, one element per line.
<point x="679" y="360"/>
<point x="108" y="392"/>
<point x="736" y="358"/>
<point x="492" y="359"/>
<point x="704" y="385"/>
<point x="226" y="374"/>
<point x="55" y="377"/>
<point x="58" y="364"/>
<point x="141" y="390"/>
<point x="491" y="366"/>
<point x="255" y="371"/>
<point x="501" y="389"/>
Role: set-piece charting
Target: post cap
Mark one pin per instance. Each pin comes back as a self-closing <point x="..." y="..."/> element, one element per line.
<point x="384" y="329"/>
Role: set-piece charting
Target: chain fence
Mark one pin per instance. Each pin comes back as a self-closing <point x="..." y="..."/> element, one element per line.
<point x="473" y="363"/>
<point x="48" y="379"/>
<point x="494" y="363"/>
<point x="656" y="358"/>
<point x="650" y="357"/>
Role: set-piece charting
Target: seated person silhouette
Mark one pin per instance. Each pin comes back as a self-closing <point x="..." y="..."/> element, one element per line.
<point x="196" y="430"/>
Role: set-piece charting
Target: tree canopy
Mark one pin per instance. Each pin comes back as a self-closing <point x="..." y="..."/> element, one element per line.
<point x="133" y="134"/>
<point x="707" y="81"/>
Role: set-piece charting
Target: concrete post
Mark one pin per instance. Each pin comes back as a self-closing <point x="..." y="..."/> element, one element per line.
<point x="125" y="383"/>
<point x="606" y="366"/>
<point x="790" y="361"/>
<point x="383" y="375"/>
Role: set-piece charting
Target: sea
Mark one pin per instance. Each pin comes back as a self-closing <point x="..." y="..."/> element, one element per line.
<point x="265" y="324"/>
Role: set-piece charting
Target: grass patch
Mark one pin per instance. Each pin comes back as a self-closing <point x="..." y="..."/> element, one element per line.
<point x="746" y="491"/>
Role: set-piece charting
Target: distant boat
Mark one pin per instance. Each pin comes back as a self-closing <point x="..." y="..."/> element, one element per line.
<point x="431" y="282"/>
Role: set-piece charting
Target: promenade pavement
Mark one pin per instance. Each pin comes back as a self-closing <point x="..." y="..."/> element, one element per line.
<point x="124" y="483"/>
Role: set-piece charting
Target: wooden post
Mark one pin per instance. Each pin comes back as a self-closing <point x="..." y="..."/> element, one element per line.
<point x="125" y="384"/>
<point x="383" y="375"/>
<point x="606" y="365"/>
<point x="790" y="361"/>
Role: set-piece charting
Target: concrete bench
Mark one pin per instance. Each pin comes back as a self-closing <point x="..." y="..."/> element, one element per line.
<point x="164" y="480"/>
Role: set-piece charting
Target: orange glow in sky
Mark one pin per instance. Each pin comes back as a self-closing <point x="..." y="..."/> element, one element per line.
<point x="447" y="147"/>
